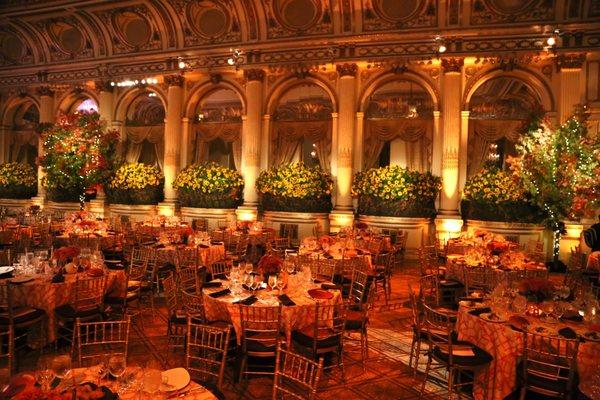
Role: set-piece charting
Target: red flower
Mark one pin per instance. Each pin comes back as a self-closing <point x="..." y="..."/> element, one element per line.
<point x="65" y="253"/>
<point x="269" y="265"/>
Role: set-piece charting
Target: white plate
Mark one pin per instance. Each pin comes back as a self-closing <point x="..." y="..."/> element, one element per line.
<point x="592" y="336"/>
<point x="22" y="279"/>
<point x="6" y="270"/>
<point x="488" y="317"/>
<point x="543" y="330"/>
<point x="175" y="379"/>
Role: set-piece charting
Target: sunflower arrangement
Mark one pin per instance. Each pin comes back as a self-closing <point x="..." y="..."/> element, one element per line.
<point x="17" y="181"/>
<point x="496" y="195"/>
<point x="396" y="191"/>
<point x="209" y="185"/>
<point x="135" y="183"/>
<point x="295" y="187"/>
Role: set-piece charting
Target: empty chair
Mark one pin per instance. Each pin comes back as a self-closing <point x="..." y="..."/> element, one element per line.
<point x="477" y="279"/>
<point x="296" y="376"/>
<point x="360" y="302"/>
<point x="190" y="279"/>
<point x="177" y="320"/>
<point x="220" y="269"/>
<point x="7" y="352"/>
<point x="187" y="257"/>
<point x="96" y="339"/>
<point x="429" y="290"/>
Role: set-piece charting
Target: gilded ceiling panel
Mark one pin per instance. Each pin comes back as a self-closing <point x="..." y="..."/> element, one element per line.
<point x="507" y="11"/>
<point x="381" y="15"/>
<point x="207" y="21"/>
<point x="287" y="18"/>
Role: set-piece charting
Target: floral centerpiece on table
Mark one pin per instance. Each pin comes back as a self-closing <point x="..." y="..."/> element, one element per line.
<point x="537" y="289"/>
<point x="65" y="254"/>
<point x="209" y="185"/>
<point x="296" y="188"/>
<point x="135" y="183"/>
<point x="78" y="155"/>
<point x="396" y="192"/>
<point x="496" y="195"/>
<point x="17" y="181"/>
<point x="269" y="265"/>
<point x="84" y="222"/>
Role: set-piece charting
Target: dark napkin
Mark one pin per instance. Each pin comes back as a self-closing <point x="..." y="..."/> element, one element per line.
<point x="327" y="286"/>
<point x="285" y="300"/>
<point x="159" y="246"/>
<point x="58" y="278"/>
<point x="572" y="316"/>
<point x="212" y="284"/>
<point x="318" y="281"/>
<point x="220" y="293"/>
<point x="479" y="311"/>
<point x="567" y="333"/>
<point x="248" y="301"/>
<point x="7" y="275"/>
<point x="203" y="246"/>
<point x="328" y="256"/>
<point x="215" y="242"/>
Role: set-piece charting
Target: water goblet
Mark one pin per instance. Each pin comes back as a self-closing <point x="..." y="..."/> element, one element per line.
<point x="61" y="365"/>
<point x="116" y="367"/>
<point x="44" y="373"/>
<point x="272" y="281"/>
<point x="248" y="268"/>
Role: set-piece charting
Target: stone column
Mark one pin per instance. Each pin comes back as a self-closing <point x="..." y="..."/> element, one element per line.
<point x="265" y="141"/>
<point x="342" y="214"/>
<point x="172" y="141"/>
<point x="185" y="143"/>
<point x="463" y="152"/>
<point x="359" y="142"/>
<point x="437" y="146"/>
<point x="251" y="142"/>
<point x="5" y="142"/>
<point x="569" y="67"/>
<point x="448" y="222"/>
<point x="46" y="117"/>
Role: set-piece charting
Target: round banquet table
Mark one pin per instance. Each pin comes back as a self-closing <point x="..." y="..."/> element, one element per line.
<point x="208" y="253"/>
<point x="104" y="240"/>
<point x="455" y="268"/>
<point x="505" y="344"/>
<point x="294" y="317"/>
<point x="41" y="293"/>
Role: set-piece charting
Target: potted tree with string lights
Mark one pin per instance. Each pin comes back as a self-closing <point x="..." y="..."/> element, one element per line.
<point x="560" y="169"/>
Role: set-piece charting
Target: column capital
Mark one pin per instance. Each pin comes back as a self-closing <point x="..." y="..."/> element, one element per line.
<point x="452" y="64"/>
<point x="104" y="86"/>
<point x="465" y="114"/>
<point x="266" y="117"/>
<point x="360" y="115"/>
<point x="174" y="80"/>
<point x="45" y="91"/>
<point x="334" y="115"/>
<point x="436" y="113"/>
<point x="254" y="75"/>
<point x="347" y="69"/>
<point x="116" y="123"/>
<point x="570" y="61"/>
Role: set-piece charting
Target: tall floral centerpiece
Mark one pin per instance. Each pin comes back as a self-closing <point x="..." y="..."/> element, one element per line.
<point x="209" y="185"/>
<point x="17" y="181"/>
<point x="78" y="154"/>
<point x="135" y="183"/>
<point x="560" y="169"/>
<point x="396" y="192"/>
<point x="295" y="188"/>
<point x="496" y="195"/>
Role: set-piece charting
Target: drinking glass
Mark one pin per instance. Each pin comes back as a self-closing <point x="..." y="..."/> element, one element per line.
<point x="289" y="268"/>
<point x="44" y="373"/>
<point x="248" y="268"/>
<point x="272" y="281"/>
<point x="61" y="365"/>
<point x="151" y="380"/>
<point x="116" y="367"/>
<point x="280" y="283"/>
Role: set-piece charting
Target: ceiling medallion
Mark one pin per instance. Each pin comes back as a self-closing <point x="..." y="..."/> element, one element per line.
<point x="208" y="19"/>
<point x="398" y="11"/>
<point x="132" y="28"/>
<point x="67" y="37"/>
<point x="298" y="15"/>
<point x="510" y="6"/>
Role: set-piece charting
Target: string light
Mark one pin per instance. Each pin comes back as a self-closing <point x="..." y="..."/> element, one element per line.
<point x="134" y="82"/>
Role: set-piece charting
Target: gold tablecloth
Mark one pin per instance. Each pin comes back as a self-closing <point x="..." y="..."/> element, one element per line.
<point x="208" y="255"/>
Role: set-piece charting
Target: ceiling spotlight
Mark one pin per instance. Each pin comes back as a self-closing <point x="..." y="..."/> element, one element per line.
<point x="151" y="94"/>
<point x="230" y="61"/>
<point x="551" y="41"/>
<point x="442" y="48"/>
<point x="181" y="64"/>
<point x="112" y="84"/>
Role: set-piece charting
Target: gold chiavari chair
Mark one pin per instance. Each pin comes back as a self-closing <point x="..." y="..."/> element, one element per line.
<point x="536" y="273"/>
<point x="241" y="249"/>
<point x="549" y="366"/>
<point x="477" y="279"/>
<point x="449" y="353"/>
<point x="7" y="351"/>
<point x="200" y="224"/>
<point x="193" y="305"/>
<point x="86" y="303"/>
<point x="428" y="260"/>
<point x="325" y="335"/>
<point x="177" y="320"/>
<point x="384" y="268"/>
<point x="206" y="351"/>
<point x="190" y="279"/>
<point x="399" y="247"/>
<point x="6" y="256"/>
<point x="96" y="339"/>
<point x="260" y="334"/>
<point x="296" y="376"/>
<point x="129" y="304"/>
<point x="220" y="269"/>
<point x="419" y="335"/>
<point x="360" y="302"/>
<point x="429" y="290"/>
<point x="324" y="269"/>
<point x="188" y="257"/>
<point x="7" y="238"/>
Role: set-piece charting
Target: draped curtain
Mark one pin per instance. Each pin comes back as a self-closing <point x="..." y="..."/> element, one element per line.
<point x="482" y="133"/>
<point x="229" y="132"/>
<point x="416" y="133"/>
<point x="289" y="136"/>
<point x="136" y="135"/>
<point x="20" y="141"/>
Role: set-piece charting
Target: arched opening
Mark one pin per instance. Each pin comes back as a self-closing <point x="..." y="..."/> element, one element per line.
<point x="217" y="129"/>
<point x="399" y="126"/>
<point x="77" y="101"/>
<point x="144" y="130"/>
<point x="302" y="126"/>
<point x="23" y="140"/>
<point x="499" y="110"/>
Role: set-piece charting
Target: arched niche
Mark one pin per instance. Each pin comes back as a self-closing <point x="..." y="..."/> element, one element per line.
<point x="144" y="129"/>
<point x="217" y="128"/>
<point x="302" y="126"/>
<point x="22" y="119"/>
<point x="77" y="101"/>
<point x="499" y="109"/>
<point x="398" y="126"/>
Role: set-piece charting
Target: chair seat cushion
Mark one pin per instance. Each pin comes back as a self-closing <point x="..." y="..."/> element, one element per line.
<point x="112" y="300"/>
<point x="67" y="311"/>
<point x="179" y="318"/>
<point x="260" y="343"/>
<point x="449" y="283"/>
<point x="355" y="320"/>
<point x="22" y="315"/>
<point x="326" y="339"/>
<point x="479" y="358"/>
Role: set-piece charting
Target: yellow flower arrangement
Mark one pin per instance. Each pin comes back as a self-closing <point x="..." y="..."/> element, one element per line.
<point x="491" y="185"/>
<point x="209" y="185"/>
<point x="135" y="183"/>
<point x="17" y="181"/>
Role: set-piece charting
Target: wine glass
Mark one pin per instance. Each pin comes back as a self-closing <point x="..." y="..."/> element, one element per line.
<point x="289" y="268"/>
<point x="272" y="281"/>
<point x="61" y="365"/>
<point x="44" y="373"/>
<point x="280" y="284"/>
<point x="248" y="268"/>
<point x="116" y="367"/>
<point x="151" y="381"/>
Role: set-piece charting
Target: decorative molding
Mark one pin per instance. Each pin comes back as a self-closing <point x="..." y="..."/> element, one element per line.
<point x="344" y="157"/>
<point x="251" y="157"/>
<point x="570" y="61"/>
<point x="254" y="75"/>
<point x="347" y="69"/>
<point x="104" y="86"/>
<point x="450" y="159"/>
<point x="174" y="80"/>
<point x="45" y="91"/>
<point x="215" y="79"/>
<point x="452" y="64"/>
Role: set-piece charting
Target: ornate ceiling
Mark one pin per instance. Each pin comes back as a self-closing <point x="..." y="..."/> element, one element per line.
<point x="67" y="40"/>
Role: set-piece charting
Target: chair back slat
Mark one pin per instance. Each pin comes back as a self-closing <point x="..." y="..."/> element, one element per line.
<point x="260" y="329"/>
<point x="96" y="339"/>
<point x="206" y="351"/>
<point x="296" y="376"/>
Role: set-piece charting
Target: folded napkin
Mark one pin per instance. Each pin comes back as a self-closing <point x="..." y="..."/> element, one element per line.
<point x="328" y="286"/>
<point x="463" y="352"/>
<point x="58" y="278"/>
<point x="220" y="293"/>
<point x="285" y="300"/>
<point x="572" y="316"/>
<point x="318" y="281"/>
<point x="215" y="242"/>
<point x="203" y="246"/>
<point x="479" y="311"/>
<point x="212" y="284"/>
<point x="248" y="301"/>
<point x="6" y="275"/>
<point x="328" y="256"/>
<point x="567" y="333"/>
